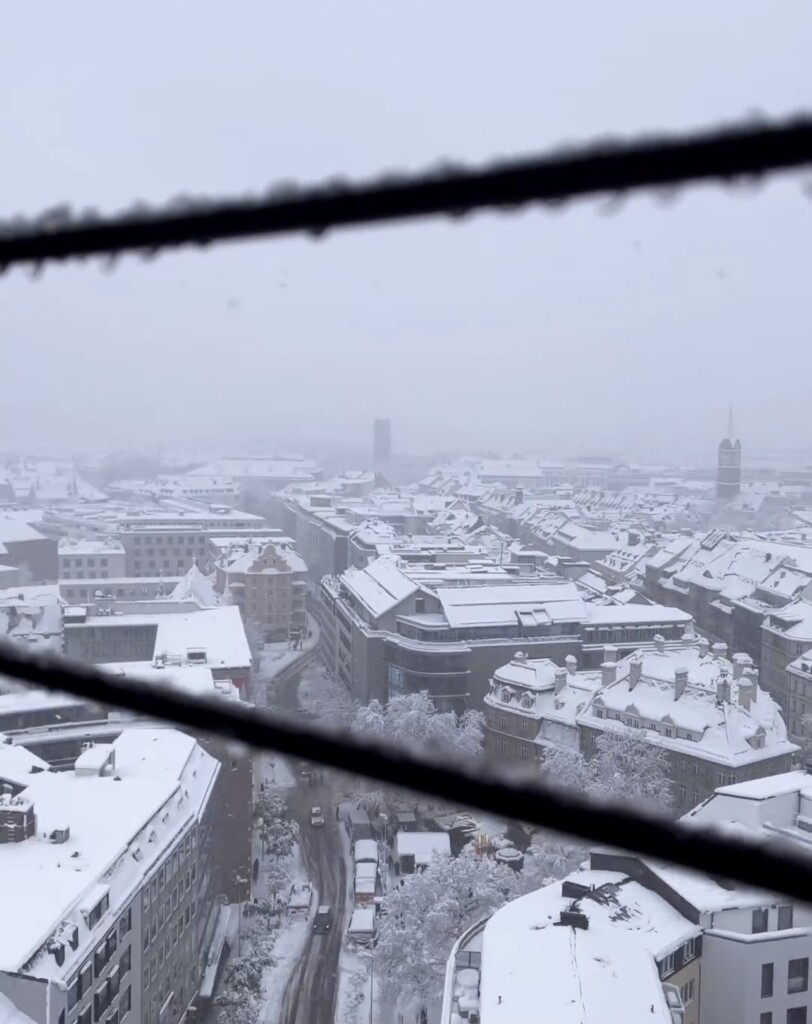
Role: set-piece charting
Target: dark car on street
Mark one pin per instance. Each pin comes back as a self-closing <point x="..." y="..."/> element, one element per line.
<point x="323" y="920"/>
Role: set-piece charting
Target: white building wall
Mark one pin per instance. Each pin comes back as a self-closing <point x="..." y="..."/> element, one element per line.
<point x="731" y="976"/>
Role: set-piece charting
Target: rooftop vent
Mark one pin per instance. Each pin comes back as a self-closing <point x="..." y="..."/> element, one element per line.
<point x="574" y="890"/>
<point x="17" y="820"/>
<point x="60" y="835"/>
<point x="573" y="919"/>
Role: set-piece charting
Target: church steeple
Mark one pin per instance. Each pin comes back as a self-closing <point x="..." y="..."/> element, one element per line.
<point x="729" y="465"/>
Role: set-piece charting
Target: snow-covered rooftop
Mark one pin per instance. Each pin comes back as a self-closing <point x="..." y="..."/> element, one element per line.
<point x="89" y="546"/>
<point x="423" y="846"/>
<point x="681" y="696"/>
<point x="532" y="604"/>
<point x="217" y="630"/>
<point x="537" y="971"/>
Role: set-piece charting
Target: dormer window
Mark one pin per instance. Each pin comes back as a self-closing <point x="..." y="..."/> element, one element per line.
<point x="505" y="695"/>
<point x="527" y="701"/>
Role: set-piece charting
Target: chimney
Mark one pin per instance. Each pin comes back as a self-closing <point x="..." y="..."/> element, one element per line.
<point x="745" y="694"/>
<point x="608" y="672"/>
<point x="519" y="496"/>
<point x="740" y="663"/>
<point x="723" y="688"/>
<point x="719" y="650"/>
<point x="571" y="663"/>
<point x="704" y="646"/>
<point x="560" y="679"/>
<point x="751" y="674"/>
<point x="688" y="639"/>
<point x="635" y="671"/>
<point x="519" y="658"/>
<point x="609" y="653"/>
<point x="659" y="643"/>
<point x="680" y="681"/>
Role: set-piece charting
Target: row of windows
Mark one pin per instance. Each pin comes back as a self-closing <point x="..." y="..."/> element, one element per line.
<point x="172" y="543"/>
<point x="634" y="722"/>
<point x="152" y="564"/>
<point x="680" y="956"/>
<point x="797" y="977"/>
<point x="116" y="1017"/>
<point x="81" y="562"/>
<point x="101" y="575"/>
<point x="761" y="918"/>
<point x="163" y="950"/>
<point x="795" y="1015"/>
<point x="82" y="984"/>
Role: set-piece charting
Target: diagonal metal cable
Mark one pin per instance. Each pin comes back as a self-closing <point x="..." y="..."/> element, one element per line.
<point x="721" y="154"/>
<point x="780" y="869"/>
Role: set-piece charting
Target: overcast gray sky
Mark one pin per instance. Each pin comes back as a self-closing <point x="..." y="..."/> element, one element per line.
<point x="557" y="333"/>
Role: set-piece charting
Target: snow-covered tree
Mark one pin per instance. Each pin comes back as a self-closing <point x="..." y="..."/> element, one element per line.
<point x="426" y="913"/>
<point x="625" y="766"/>
<point x="278" y="831"/>
<point x="629" y="767"/>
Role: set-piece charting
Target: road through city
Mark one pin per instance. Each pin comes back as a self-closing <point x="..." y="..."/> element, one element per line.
<point x="312" y="989"/>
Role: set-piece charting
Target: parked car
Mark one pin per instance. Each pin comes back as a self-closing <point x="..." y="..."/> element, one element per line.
<point x="323" y="920"/>
<point x="316" y="816"/>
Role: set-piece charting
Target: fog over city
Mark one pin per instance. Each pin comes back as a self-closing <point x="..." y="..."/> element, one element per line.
<point x="628" y="331"/>
<point x="521" y="500"/>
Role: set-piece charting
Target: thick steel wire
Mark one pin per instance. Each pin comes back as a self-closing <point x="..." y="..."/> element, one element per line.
<point x="764" y="866"/>
<point x="722" y="154"/>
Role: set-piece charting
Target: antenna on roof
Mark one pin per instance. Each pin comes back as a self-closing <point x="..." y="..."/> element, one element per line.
<point x="731" y="427"/>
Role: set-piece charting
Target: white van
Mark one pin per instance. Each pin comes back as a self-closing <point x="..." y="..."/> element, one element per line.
<point x="362" y="929"/>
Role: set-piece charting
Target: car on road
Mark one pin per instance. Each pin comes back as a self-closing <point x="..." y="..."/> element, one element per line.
<point x="323" y="920"/>
<point x="316" y="816"/>
<point x="305" y="771"/>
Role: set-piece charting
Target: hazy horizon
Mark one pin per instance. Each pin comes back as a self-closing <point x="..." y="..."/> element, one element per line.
<point x="585" y="330"/>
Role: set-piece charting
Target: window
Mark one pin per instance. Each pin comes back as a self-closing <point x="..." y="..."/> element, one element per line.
<point x="125" y="923"/>
<point x="524" y="751"/>
<point x="784" y="917"/>
<point x="667" y="966"/>
<point x="126" y="961"/>
<point x="73" y="993"/>
<point x="91" y="562"/>
<point x="146" y="976"/>
<point x="766" y="1018"/>
<point x="126" y="1001"/>
<point x="85" y="979"/>
<point x="683" y="792"/>
<point x="759" y="920"/>
<point x="689" y="950"/>
<point x="798" y="976"/>
<point x="104" y="563"/>
<point x="86" y="1016"/>
<point x="99" y="960"/>
<point x="796" y="1015"/>
<point x="766" y="980"/>
<point x="66" y="576"/>
<point x="687" y="992"/>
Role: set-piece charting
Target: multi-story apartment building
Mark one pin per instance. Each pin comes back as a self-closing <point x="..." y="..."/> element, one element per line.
<point x="397" y="627"/>
<point x="121" y="936"/>
<point x="171" y="542"/>
<point x="786" y="636"/>
<point x="715" y="723"/>
<point x="631" y="939"/>
<point x="267" y="581"/>
<point x="91" y="559"/>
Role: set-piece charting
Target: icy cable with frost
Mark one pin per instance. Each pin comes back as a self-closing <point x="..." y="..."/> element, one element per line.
<point x="759" y="864"/>
<point x="725" y="154"/>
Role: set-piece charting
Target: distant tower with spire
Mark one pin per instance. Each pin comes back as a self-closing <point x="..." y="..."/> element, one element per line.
<point x="729" y="466"/>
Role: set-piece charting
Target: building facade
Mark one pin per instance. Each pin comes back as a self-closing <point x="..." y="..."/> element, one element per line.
<point x="267" y="581"/>
<point x="398" y="627"/>
<point x="707" y="713"/>
<point x="125" y="938"/>
<point x="91" y="559"/>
